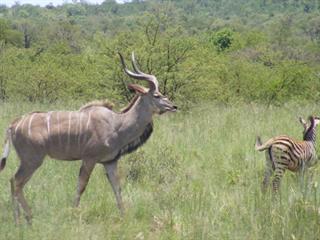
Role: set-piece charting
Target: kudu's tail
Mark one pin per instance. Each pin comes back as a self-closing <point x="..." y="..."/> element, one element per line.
<point x="6" y="149"/>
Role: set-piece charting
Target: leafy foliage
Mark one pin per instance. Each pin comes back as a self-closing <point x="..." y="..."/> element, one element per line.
<point x="200" y="50"/>
<point x="222" y="39"/>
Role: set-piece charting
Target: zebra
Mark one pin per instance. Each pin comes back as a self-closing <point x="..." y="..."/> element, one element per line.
<point x="283" y="152"/>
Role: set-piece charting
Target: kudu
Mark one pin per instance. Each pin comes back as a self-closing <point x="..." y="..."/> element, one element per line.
<point x="94" y="134"/>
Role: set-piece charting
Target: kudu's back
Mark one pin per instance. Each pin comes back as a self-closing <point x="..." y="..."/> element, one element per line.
<point x="64" y="135"/>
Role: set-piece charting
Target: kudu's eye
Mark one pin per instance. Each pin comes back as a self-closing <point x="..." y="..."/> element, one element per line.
<point x="156" y="95"/>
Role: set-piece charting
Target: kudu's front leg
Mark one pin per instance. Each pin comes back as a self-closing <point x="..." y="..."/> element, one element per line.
<point x="84" y="175"/>
<point x="112" y="175"/>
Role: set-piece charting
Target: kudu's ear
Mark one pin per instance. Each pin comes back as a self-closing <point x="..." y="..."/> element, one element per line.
<point x="137" y="88"/>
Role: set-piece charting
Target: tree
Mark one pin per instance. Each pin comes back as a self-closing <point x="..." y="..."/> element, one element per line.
<point x="8" y="35"/>
<point x="222" y="39"/>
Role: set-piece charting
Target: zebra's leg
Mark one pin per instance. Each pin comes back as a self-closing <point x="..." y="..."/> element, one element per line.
<point x="279" y="172"/>
<point x="267" y="173"/>
<point x="301" y="175"/>
<point x="306" y="179"/>
<point x="310" y="173"/>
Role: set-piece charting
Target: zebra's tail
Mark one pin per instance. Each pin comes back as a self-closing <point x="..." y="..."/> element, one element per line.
<point x="259" y="146"/>
<point x="6" y="149"/>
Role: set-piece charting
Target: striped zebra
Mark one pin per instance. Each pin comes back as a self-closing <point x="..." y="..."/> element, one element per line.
<point x="284" y="152"/>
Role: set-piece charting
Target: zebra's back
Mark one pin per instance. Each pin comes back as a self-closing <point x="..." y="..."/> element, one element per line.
<point x="290" y="153"/>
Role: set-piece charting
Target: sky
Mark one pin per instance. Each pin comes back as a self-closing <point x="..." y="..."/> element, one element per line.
<point x="45" y="2"/>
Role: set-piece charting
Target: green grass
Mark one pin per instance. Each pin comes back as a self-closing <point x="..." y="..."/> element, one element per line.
<point x="198" y="177"/>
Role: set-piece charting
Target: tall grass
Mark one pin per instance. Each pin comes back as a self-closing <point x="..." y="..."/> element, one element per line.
<point x="198" y="177"/>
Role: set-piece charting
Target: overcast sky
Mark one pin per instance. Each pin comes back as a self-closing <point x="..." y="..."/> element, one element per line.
<point x="45" y="2"/>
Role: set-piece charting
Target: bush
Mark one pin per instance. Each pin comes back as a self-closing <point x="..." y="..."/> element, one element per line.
<point x="222" y="39"/>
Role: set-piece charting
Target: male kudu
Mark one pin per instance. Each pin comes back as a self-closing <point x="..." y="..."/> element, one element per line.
<point x="94" y="134"/>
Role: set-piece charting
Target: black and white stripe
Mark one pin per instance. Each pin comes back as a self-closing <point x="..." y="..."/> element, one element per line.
<point x="284" y="152"/>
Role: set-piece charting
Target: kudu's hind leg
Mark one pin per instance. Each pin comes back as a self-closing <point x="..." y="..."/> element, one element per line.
<point x="112" y="175"/>
<point x="84" y="175"/>
<point x="15" y="203"/>
<point x="19" y="180"/>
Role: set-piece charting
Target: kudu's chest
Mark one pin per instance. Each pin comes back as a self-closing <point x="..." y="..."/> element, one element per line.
<point x="120" y="144"/>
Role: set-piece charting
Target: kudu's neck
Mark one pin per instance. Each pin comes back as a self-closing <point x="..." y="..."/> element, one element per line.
<point x="138" y="116"/>
<point x="310" y="134"/>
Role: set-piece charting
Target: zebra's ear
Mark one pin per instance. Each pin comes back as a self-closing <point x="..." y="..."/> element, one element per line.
<point x="303" y="122"/>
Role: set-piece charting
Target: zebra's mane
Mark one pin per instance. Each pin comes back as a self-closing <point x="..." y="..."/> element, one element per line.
<point x="309" y="135"/>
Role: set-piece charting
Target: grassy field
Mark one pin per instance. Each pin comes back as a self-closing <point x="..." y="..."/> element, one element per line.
<point x="198" y="177"/>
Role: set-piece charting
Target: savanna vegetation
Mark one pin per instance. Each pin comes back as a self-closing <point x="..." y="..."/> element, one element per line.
<point x="227" y="51"/>
<point x="198" y="177"/>
<point x="236" y="69"/>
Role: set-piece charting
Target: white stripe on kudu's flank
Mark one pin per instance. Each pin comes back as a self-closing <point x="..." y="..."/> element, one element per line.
<point x="48" y="122"/>
<point x="79" y="133"/>
<point x="69" y="128"/>
<point x="30" y="122"/>
<point x="89" y="118"/>
<point x="15" y="130"/>
<point x="58" y="122"/>
<point x="23" y="121"/>
<point x="87" y="127"/>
